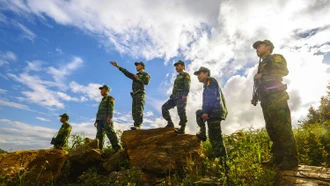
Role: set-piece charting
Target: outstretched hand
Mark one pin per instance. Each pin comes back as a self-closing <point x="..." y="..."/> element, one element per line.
<point x="114" y="64"/>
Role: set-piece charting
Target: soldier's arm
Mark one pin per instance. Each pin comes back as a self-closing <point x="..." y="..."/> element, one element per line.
<point x="145" y="79"/>
<point x="127" y="73"/>
<point x="111" y="105"/>
<point x="211" y="96"/>
<point x="278" y="68"/>
<point x="186" y="87"/>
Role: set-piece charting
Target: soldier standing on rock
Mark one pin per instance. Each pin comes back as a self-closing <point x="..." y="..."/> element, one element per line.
<point x="273" y="96"/>
<point x="61" y="139"/>
<point x="104" y="123"/>
<point x="138" y="95"/>
<point x="213" y="111"/>
<point x="178" y="98"/>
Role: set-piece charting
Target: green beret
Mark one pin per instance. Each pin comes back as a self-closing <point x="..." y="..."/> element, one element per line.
<point x="202" y="69"/>
<point x="179" y="62"/>
<point x="267" y="42"/>
<point x="104" y="87"/>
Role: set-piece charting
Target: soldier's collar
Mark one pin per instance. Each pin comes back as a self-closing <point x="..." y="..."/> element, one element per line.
<point x="264" y="58"/>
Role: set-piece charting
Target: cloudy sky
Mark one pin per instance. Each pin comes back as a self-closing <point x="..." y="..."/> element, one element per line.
<point x="55" y="54"/>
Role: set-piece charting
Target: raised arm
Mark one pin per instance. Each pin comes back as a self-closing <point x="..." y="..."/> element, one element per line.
<point x="123" y="70"/>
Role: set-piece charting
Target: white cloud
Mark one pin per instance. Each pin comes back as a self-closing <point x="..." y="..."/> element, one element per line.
<point x="3" y="91"/>
<point x="42" y="119"/>
<point x="7" y="57"/>
<point x="14" y="105"/>
<point x="17" y="135"/>
<point x="218" y="36"/>
<point x="91" y="90"/>
<point x="26" y="33"/>
<point x="34" y="66"/>
<point x="59" y="51"/>
<point x="65" y="69"/>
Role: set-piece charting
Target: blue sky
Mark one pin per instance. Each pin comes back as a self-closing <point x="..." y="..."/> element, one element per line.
<point x="55" y="54"/>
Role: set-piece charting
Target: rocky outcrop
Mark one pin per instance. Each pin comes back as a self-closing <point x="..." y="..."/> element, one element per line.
<point x="117" y="161"/>
<point x="305" y="175"/>
<point x="161" y="151"/>
<point x="84" y="157"/>
<point x="33" y="166"/>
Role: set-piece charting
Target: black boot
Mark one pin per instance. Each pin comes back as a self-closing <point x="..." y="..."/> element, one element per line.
<point x="181" y="130"/>
<point x="201" y="136"/>
<point x="289" y="163"/>
<point x="169" y="125"/>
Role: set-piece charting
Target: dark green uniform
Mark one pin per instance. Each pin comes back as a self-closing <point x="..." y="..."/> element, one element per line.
<point x="138" y="94"/>
<point x="63" y="136"/>
<point x="214" y="105"/>
<point x="181" y="88"/>
<point x="105" y="111"/>
<point x="273" y="97"/>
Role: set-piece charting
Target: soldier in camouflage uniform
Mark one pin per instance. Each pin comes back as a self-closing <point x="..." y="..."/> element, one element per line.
<point x="138" y="95"/>
<point x="178" y="98"/>
<point x="213" y="111"/>
<point x="104" y="116"/>
<point x="273" y="97"/>
<point x="61" y="139"/>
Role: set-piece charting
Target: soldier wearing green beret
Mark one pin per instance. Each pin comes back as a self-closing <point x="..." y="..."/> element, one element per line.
<point x="178" y="98"/>
<point x="271" y="93"/>
<point x="61" y="139"/>
<point x="104" y="116"/>
<point x="139" y="79"/>
<point x="213" y="111"/>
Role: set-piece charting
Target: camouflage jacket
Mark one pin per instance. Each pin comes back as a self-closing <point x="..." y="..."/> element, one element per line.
<point x="63" y="135"/>
<point x="106" y="108"/>
<point x="181" y="85"/>
<point x="137" y="85"/>
<point x="214" y="103"/>
<point x="273" y="68"/>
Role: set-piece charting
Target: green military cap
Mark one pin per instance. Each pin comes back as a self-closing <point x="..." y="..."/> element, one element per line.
<point x="202" y="69"/>
<point x="267" y="42"/>
<point x="179" y="62"/>
<point x="104" y="87"/>
<point x="140" y="63"/>
<point x="65" y="115"/>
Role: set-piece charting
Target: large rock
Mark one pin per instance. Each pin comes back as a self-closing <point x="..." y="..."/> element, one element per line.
<point x="84" y="157"/>
<point x="33" y="166"/>
<point x="305" y="175"/>
<point x="116" y="161"/>
<point x="161" y="151"/>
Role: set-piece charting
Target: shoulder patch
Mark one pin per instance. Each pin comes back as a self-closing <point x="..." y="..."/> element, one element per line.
<point x="147" y="75"/>
<point x="278" y="58"/>
<point x="112" y="99"/>
<point x="208" y="83"/>
<point x="187" y="76"/>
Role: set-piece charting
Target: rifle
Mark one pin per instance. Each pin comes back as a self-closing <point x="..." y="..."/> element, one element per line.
<point x="255" y="92"/>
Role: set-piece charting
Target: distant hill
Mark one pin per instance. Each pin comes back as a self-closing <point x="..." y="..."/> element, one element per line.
<point x="2" y="151"/>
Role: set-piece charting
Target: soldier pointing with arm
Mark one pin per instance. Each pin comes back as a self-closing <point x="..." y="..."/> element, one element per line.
<point x="139" y="79"/>
<point x="274" y="103"/>
<point x="178" y="98"/>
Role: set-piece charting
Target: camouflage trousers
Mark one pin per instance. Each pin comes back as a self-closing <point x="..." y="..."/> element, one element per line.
<point x="104" y="128"/>
<point x="278" y="125"/>
<point x="181" y="107"/>
<point x="138" y="108"/>
<point x="215" y="133"/>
